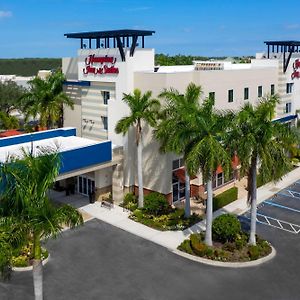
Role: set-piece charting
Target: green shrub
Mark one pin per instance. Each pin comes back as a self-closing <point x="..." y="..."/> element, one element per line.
<point x="253" y="252"/>
<point x="241" y="241"/>
<point x="20" y="261"/>
<point x="185" y="246"/>
<point x="225" y="198"/>
<point x="129" y="198"/>
<point x="177" y="214"/>
<point x="198" y="246"/>
<point x="225" y="228"/>
<point x="155" y="203"/>
<point x="138" y="214"/>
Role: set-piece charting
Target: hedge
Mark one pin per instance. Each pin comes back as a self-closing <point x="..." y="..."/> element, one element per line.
<point x="225" y="198"/>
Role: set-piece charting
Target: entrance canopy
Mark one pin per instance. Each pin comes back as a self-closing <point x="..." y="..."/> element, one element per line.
<point x="76" y="153"/>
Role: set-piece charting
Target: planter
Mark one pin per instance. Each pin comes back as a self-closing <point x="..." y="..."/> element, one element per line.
<point x="216" y="263"/>
<point x="29" y="268"/>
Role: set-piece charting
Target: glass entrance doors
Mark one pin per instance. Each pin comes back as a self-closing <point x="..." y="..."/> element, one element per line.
<point x="85" y="185"/>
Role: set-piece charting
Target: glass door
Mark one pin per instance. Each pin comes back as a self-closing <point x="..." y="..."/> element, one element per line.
<point x="85" y="185"/>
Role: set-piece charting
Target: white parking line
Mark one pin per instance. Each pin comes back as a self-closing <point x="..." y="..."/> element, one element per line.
<point x="266" y="220"/>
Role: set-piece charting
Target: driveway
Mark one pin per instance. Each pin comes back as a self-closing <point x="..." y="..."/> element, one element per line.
<point x="99" y="261"/>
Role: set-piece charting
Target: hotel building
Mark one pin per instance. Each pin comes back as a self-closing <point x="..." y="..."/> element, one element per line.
<point x="110" y="63"/>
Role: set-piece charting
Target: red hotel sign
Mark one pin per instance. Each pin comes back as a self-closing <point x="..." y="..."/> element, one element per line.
<point x="296" y="66"/>
<point x="106" y="65"/>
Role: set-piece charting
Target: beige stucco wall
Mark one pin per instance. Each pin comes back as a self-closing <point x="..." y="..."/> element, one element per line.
<point x="158" y="167"/>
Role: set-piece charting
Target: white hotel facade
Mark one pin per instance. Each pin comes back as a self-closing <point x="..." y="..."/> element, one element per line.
<point x="110" y="63"/>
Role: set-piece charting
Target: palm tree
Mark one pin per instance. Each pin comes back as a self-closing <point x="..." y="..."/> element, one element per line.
<point x="261" y="144"/>
<point x="25" y="183"/>
<point x="177" y="110"/>
<point x="201" y="133"/>
<point x="46" y="99"/>
<point x="143" y="109"/>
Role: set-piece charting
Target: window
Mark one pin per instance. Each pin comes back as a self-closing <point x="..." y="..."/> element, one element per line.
<point x="105" y="125"/>
<point x="230" y="95"/>
<point x="289" y="88"/>
<point x="288" y="107"/>
<point x="211" y="95"/>
<point x="246" y="93"/>
<point x="259" y="91"/>
<point x="106" y="96"/>
<point x="177" y="163"/>
<point x="272" y="89"/>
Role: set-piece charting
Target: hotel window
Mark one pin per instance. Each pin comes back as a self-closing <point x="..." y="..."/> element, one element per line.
<point x="259" y="91"/>
<point x="288" y="107"/>
<point x="211" y="95"/>
<point x="177" y="163"/>
<point x="230" y="95"/>
<point x="106" y="97"/>
<point x="289" y="88"/>
<point x="104" y="120"/>
<point x="246" y="93"/>
<point x="272" y="89"/>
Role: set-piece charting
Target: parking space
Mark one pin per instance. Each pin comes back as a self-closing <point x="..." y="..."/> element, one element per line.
<point x="281" y="211"/>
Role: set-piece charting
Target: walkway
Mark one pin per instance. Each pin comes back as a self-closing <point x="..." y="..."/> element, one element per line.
<point x="171" y="239"/>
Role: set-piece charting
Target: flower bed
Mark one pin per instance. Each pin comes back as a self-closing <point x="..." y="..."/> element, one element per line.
<point x="158" y="214"/>
<point x="172" y="220"/>
<point x="229" y="245"/>
<point x="24" y="257"/>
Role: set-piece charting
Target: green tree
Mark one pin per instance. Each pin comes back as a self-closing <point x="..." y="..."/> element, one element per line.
<point x="10" y="93"/>
<point x="202" y="133"/>
<point x="46" y="99"/>
<point x="24" y="186"/>
<point x="143" y="110"/>
<point x="262" y="145"/>
<point x="176" y="113"/>
<point x="8" y="122"/>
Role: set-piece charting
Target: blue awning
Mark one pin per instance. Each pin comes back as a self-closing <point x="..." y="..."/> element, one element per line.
<point x="286" y="119"/>
<point x="78" y="83"/>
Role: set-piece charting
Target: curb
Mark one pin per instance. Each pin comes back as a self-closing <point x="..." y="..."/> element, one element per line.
<point x="215" y="263"/>
<point x="25" y="269"/>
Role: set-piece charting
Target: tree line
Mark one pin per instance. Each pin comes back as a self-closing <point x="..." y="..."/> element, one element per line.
<point x="28" y="66"/>
<point x="40" y="104"/>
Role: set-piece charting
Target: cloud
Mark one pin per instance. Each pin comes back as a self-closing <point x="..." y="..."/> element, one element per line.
<point x="5" y="14"/>
<point x="292" y="26"/>
<point x="141" y="8"/>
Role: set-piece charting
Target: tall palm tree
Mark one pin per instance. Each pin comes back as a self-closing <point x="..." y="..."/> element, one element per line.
<point x="143" y="110"/>
<point x="46" y="99"/>
<point x="23" y="194"/>
<point x="262" y="145"/>
<point x="201" y="133"/>
<point x="178" y="109"/>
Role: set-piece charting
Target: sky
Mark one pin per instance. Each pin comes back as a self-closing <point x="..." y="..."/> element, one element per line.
<point x="35" y="28"/>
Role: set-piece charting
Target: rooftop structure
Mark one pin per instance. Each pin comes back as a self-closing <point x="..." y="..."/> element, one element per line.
<point x="285" y="47"/>
<point x="112" y="39"/>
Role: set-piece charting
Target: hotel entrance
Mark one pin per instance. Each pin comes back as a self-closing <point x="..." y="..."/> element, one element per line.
<point x="85" y="185"/>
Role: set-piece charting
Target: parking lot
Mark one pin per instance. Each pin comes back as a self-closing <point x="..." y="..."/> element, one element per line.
<point x="100" y="261"/>
<point x="282" y="210"/>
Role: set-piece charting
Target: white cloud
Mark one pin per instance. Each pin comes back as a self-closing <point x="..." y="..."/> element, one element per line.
<point x="5" y="14"/>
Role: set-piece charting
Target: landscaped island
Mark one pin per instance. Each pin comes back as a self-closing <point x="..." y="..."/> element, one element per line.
<point x="158" y="214"/>
<point x="230" y="243"/>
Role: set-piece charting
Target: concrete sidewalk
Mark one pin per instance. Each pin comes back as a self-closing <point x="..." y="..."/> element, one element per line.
<point x="171" y="239"/>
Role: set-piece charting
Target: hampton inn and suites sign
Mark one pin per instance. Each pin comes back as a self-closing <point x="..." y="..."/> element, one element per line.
<point x="99" y="65"/>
